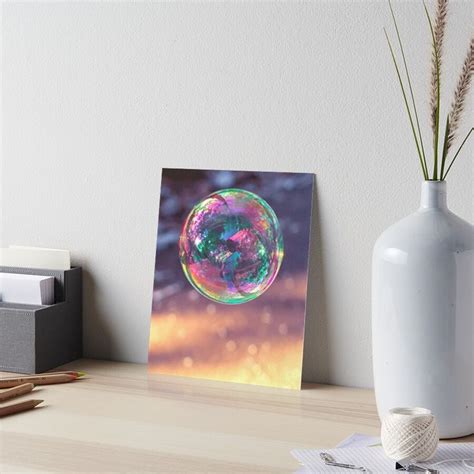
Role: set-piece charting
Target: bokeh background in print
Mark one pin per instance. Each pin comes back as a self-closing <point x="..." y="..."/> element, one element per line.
<point x="258" y="342"/>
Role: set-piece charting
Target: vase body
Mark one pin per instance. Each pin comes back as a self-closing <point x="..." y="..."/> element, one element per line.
<point x="422" y="314"/>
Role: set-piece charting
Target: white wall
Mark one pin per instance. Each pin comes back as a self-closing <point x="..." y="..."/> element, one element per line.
<point x="97" y="97"/>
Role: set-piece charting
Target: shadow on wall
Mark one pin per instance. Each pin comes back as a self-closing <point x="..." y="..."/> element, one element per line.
<point x="316" y="349"/>
<point x="97" y="332"/>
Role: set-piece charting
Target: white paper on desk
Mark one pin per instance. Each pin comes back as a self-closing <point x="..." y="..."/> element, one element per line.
<point x="355" y="440"/>
<point x="35" y="257"/>
<point x="375" y="460"/>
<point x="26" y="289"/>
<point x="359" y="440"/>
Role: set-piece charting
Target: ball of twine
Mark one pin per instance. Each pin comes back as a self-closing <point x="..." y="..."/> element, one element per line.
<point x="409" y="434"/>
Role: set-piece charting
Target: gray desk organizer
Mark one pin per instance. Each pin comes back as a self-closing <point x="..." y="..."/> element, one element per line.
<point x="38" y="338"/>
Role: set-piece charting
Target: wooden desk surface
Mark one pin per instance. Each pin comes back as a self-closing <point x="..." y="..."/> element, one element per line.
<point x="120" y="419"/>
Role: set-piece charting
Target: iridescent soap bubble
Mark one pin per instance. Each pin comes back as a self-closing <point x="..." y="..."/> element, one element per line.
<point x="231" y="246"/>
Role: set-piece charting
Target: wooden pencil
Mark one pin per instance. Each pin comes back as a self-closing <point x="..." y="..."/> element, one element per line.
<point x="19" y="407"/>
<point x="16" y="391"/>
<point x="77" y="374"/>
<point x="36" y="379"/>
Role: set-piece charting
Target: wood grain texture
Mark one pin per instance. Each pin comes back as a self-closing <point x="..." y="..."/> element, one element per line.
<point x="121" y="419"/>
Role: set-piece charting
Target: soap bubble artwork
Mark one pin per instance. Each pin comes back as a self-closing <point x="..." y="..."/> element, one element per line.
<point x="231" y="246"/>
<point x="230" y="278"/>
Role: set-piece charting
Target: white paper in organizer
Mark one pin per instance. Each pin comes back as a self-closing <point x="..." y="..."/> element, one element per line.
<point x="26" y="289"/>
<point x="35" y="257"/>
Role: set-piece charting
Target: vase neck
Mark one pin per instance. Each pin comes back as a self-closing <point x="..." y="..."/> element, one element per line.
<point x="433" y="195"/>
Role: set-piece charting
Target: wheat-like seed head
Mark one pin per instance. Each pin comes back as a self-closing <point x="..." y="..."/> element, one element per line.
<point x="460" y="94"/>
<point x="438" y="30"/>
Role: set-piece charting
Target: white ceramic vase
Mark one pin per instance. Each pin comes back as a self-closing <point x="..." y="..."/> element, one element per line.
<point x="422" y="314"/>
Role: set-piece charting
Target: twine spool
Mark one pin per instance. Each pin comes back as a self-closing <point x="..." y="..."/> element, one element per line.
<point x="409" y="434"/>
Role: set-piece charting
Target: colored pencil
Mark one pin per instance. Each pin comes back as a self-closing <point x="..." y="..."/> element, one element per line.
<point x="16" y="391"/>
<point x="77" y="374"/>
<point x="36" y="379"/>
<point x="19" y="407"/>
